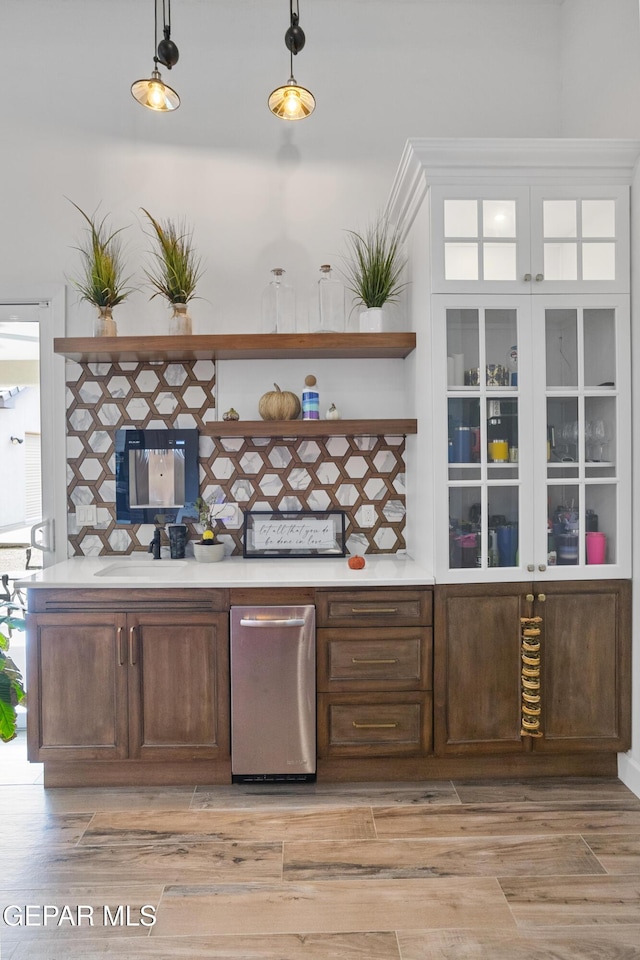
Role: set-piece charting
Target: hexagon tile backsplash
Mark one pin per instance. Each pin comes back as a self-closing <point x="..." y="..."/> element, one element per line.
<point x="258" y="473"/>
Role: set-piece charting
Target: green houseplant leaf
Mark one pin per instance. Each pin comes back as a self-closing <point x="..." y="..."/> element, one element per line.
<point x="176" y="266"/>
<point x="374" y="264"/>
<point x="101" y="280"/>
<point x="12" y="693"/>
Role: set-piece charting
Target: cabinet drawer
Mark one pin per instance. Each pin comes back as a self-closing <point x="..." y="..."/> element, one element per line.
<point x="395" y="606"/>
<point x="385" y="659"/>
<point x="373" y="725"/>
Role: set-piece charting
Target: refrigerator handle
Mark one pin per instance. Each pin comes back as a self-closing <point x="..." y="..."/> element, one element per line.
<point x="292" y="622"/>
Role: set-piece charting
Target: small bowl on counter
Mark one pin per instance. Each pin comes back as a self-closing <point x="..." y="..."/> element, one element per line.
<point x="208" y="552"/>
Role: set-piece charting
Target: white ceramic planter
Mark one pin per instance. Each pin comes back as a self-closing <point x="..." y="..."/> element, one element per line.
<point x="205" y="553"/>
<point x="371" y="320"/>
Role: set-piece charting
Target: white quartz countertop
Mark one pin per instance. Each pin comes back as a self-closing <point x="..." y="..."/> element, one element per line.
<point x="140" y="570"/>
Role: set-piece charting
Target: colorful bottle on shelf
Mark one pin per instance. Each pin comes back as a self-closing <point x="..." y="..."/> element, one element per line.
<point x="310" y="399"/>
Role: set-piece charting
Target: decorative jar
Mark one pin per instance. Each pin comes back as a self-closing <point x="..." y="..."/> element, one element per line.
<point x="180" y="321"/>
<point x="104" y="325"/>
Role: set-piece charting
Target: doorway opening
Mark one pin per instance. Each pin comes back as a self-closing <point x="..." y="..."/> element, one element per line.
<point x="20" y="475"/>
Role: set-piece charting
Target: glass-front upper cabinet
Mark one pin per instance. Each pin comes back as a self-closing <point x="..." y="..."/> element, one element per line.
<point x="483" y="465"/>
<point x="531" y="422"/>
<point x="583" y="357"/>
<point x="537" y="240"/>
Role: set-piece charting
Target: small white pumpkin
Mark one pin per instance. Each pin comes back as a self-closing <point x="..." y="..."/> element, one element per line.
<point x="332" y="413"/>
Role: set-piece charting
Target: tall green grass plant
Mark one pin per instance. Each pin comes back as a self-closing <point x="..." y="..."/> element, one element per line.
<point x="374" y="264"/>
<point x="101" y="280"/>
<point x="176" y="266"/>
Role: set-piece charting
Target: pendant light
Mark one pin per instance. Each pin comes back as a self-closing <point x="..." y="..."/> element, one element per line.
<point x="291" y="101"/>
<point x="153" y="93"/>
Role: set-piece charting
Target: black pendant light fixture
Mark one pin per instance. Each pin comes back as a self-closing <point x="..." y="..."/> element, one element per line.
<point x="153" y="93"/>
<point x="291" y="101"/>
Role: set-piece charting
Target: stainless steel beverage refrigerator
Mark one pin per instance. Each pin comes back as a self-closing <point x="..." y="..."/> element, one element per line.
<point x="273" y="700"/>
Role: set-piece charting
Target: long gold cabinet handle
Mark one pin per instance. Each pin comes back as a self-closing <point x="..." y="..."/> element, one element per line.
<point x="374" y="609"/>
<point x="121" y="653"/>
<point x="374" y="726"/>
<point x="132" y="646"/>
<point x="531" y="698"/>
<point x="381" y="660"/>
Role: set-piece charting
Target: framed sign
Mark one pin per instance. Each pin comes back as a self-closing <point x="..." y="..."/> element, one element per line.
<point x="299" y="533"/>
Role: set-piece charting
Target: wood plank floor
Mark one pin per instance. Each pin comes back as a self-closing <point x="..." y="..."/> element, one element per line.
<point x="474" y="870"/>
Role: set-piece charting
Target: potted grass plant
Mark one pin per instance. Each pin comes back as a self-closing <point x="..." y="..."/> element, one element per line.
<point x="175" y="270"/>
<point x="372" y="270"/>
<point x="12" y="690"/>
<point x="101" y="281"/>
<point x="208" y="549"/>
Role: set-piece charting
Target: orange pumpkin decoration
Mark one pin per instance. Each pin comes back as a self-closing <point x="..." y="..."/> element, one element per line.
<point x="356" y="562"/>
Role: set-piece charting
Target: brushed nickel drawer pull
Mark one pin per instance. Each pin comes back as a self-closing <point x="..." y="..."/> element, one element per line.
<point x="374" y="726"/>
<point x="374" y="609"/>
<point x="381" y="660"/>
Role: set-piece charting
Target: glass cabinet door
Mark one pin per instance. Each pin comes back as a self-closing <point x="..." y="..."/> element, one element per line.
<point x="586" y="467"/>
<point x="580" y="240"/>
<point x="481" y="239"/>
<point x="484" y="472"/>
<point x="538" y="240"/>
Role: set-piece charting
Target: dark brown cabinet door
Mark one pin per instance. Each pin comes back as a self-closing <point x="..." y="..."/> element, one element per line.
<point x="110" y="686"/>
<point x="178" y="686"/>
<point x="477" y="668"/>
<point x="585" y="665"/>
<point x="77" y="687"/>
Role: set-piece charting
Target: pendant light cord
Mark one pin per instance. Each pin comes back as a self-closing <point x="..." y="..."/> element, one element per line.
<point x="155" y="32"/>
<point x="166" y="25"/>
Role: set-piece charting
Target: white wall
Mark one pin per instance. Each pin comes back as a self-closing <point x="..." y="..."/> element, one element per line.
<point x="259" y="192"/>
<point x="600" y="68"/>
<point x="629" y="763"/>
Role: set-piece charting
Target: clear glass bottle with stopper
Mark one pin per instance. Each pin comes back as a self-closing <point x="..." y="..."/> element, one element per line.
<point x="278" y="305"/>
<point x="329" y="313"/>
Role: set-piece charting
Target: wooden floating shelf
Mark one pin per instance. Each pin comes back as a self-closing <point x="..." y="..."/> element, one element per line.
<point x="250" y="346"/>
<point x="309" y="428"/>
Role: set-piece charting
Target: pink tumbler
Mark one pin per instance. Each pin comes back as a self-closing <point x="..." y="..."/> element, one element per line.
<point x="596" y="547"/>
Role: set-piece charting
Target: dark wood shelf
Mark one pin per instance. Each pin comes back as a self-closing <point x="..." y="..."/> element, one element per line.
<point x="250" y="346"/>
<point x="310" y="428"/>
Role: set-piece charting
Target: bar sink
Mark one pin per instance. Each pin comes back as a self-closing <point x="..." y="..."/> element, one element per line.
<point x="146" y="570"/>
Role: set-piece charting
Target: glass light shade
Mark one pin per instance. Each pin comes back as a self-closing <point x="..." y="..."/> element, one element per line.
<point x="155" y="94"/>
<point x="292" y="102"/>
